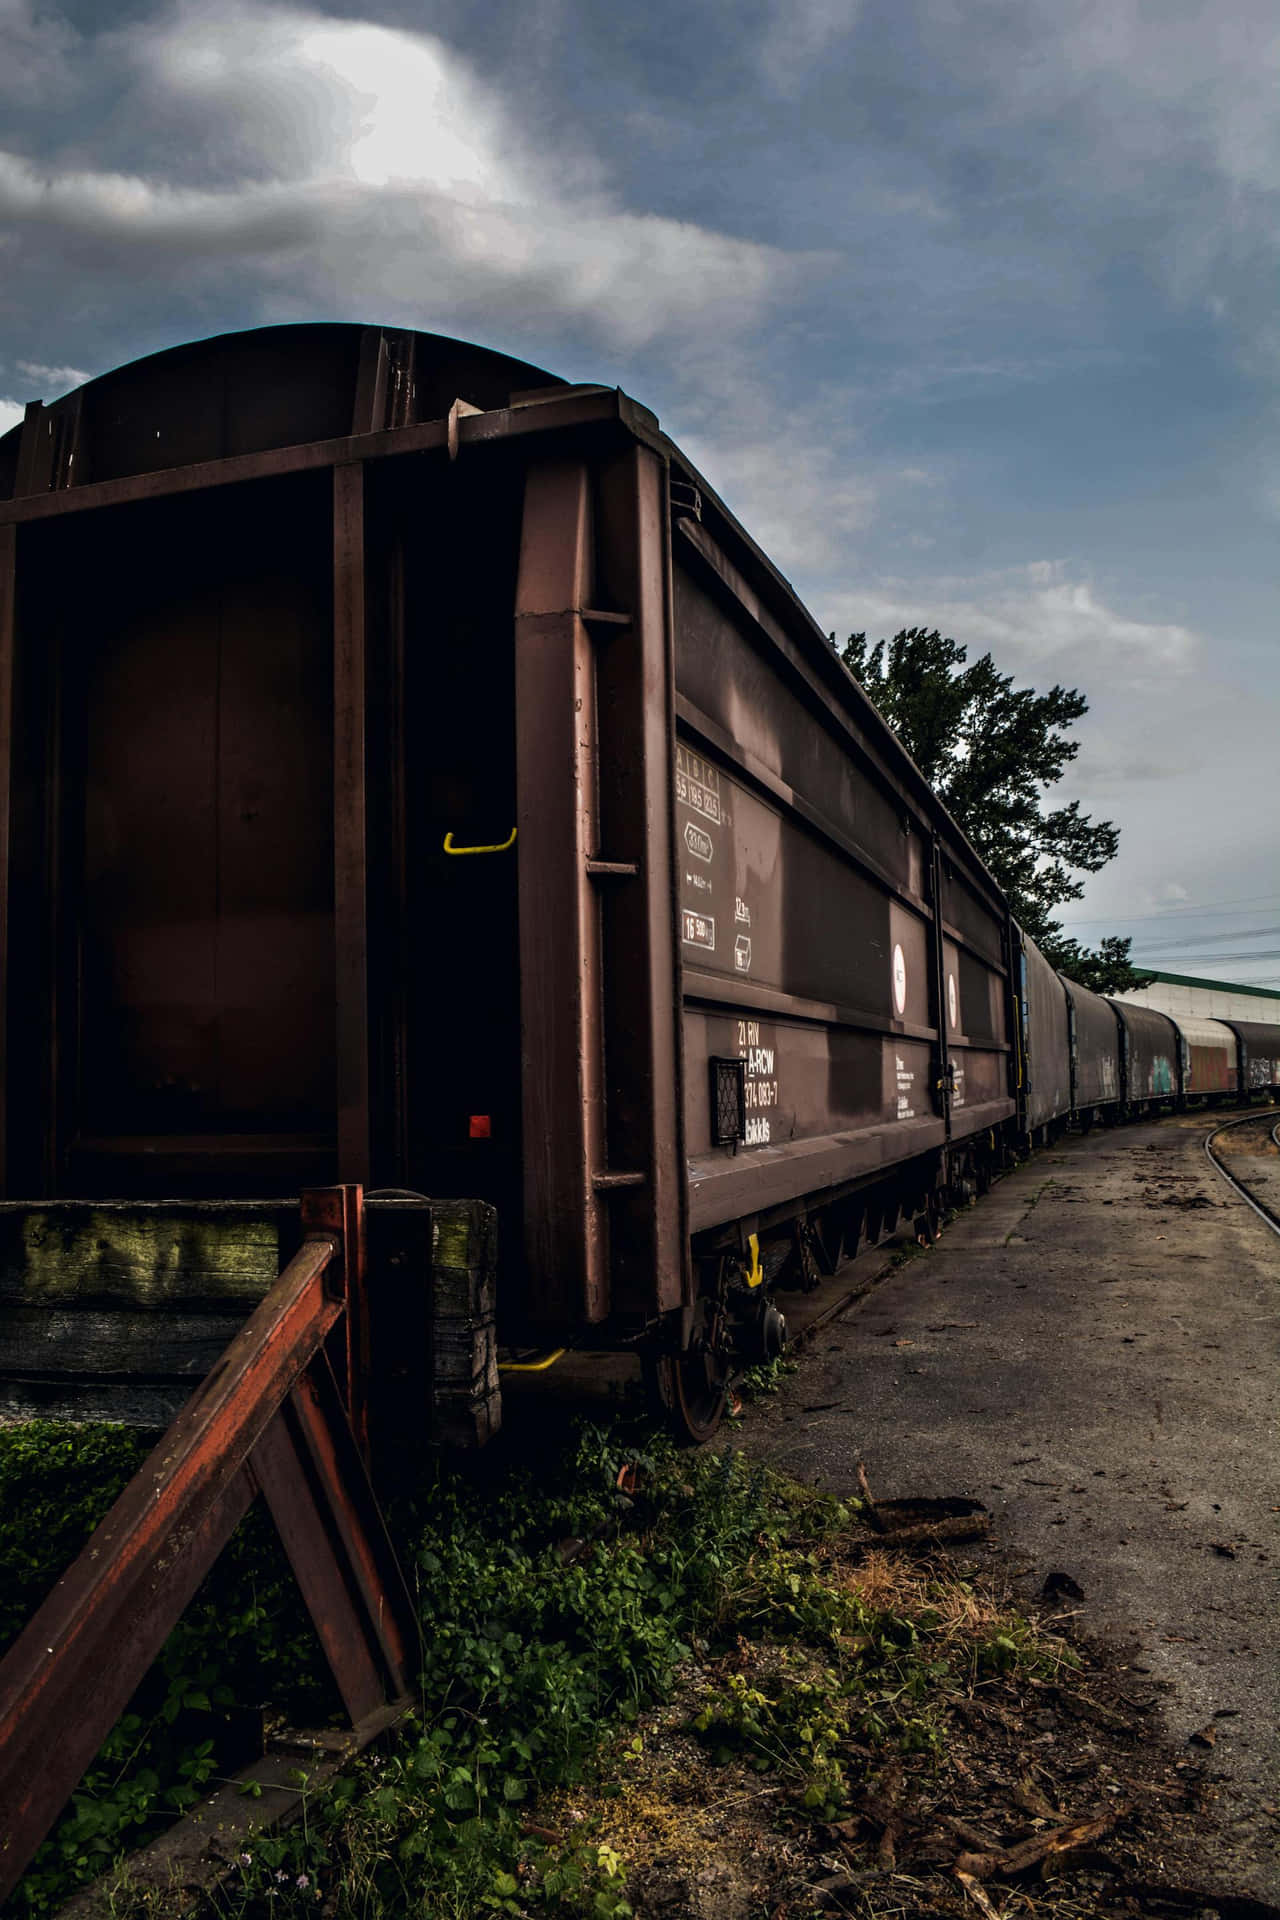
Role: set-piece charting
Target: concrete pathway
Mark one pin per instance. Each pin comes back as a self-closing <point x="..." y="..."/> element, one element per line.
<point x="1094" y="1352"/>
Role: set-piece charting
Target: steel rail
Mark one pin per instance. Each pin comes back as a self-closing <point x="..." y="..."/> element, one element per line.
<point x="1263" y="1212"/>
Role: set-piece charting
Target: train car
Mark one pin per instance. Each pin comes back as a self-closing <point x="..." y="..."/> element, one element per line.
<point x="1094" y="1042"/>
<point x="1209" y="1054"/>
<point x="413" y="775"/>
<point x="1149" y="1056"/>
<point x="1259" y="1055"/>
<point x="1046" y="1042"/>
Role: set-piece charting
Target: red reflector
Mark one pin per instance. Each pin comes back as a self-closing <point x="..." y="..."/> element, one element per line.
<point x="479" y="1128"/>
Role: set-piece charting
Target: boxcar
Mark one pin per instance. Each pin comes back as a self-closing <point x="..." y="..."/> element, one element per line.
<point x="1047" y="1054"/>
<point x="1259" y="1046"/>
<point x="414" y="775"/>
<point x="1149" y="1056"/>
<point x="1209" y="1056"/>
<point x="1094" y="1038"/>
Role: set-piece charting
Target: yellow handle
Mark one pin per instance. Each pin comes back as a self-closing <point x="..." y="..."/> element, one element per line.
<point x="755" y="1272"/>
<point x="508" y="842"/>
<point x="546" y="1360"/>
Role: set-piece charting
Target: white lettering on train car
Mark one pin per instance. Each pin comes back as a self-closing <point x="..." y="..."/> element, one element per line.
<point x="761" y="1088"/>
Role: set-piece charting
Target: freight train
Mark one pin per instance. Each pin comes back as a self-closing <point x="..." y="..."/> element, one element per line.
<point x="412" y="774"/>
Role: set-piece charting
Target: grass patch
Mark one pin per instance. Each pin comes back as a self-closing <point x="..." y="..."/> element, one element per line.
<point x="557" y="1611"/>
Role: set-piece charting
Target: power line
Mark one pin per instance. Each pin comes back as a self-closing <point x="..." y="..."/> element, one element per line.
<point x="1214" y="959"/>
<point x="1166" y="913"/>
<point x="1215" y="939"/>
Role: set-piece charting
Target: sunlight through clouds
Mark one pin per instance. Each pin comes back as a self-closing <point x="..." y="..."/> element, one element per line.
<point x="331" y="155"/>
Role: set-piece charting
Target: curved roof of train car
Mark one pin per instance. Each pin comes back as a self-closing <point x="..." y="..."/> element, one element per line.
<point x="266" y="387"/>
<point x="1136" y="1016"/>
<point x="1263" y="1034"/>
<point x="1198" y="1031"/>
<point x="275" y="387"/>
<point x="1076" y="992"/>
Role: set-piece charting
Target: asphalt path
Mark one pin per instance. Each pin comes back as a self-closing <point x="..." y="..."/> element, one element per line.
<point x="1092" y="1352"/>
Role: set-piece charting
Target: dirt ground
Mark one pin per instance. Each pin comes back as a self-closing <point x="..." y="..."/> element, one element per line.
<point x="1091" y="1353"/>
<point x="1050" y="1797"/>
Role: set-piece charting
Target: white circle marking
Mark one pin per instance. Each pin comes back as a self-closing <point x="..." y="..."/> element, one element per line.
<point x="951" y="997"/>
<point x="900" y="981"/>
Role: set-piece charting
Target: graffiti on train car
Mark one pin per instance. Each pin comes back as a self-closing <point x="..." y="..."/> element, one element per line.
<point x="1163" y="1077"/>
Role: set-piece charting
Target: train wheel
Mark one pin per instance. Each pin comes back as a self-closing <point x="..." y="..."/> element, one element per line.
<point x="690" y="1390"/>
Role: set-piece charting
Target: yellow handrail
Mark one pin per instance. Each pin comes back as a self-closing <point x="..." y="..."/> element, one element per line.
<point x="508" y="842"/>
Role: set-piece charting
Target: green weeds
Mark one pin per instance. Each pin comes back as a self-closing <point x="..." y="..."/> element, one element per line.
<point x="554" y="1607"/>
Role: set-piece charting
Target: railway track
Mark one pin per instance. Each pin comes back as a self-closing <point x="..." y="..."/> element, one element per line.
<point x="1262" y="1194"/>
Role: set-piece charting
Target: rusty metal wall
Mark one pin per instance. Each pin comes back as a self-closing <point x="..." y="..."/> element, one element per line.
<point x="1209" y="1055"/>
<point x="807" y="922"/>
<point x="172" y="930"/>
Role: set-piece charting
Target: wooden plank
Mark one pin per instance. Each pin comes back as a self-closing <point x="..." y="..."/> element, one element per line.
<point x="146" y="1258"/>
<point x="8" y="641"/>
<point x="350" y="877"/>
<point x="65" y="1342"/>
<point x="147" y="1404"/>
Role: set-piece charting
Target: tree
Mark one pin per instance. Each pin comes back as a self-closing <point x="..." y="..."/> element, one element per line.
<point x="991" y="752"/>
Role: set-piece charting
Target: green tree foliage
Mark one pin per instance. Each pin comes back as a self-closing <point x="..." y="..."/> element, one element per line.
<point x="991" y="752"/>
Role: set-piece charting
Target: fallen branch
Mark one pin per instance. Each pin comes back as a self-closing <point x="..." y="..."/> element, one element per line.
<point x="976" y="1894"/>
<point x="964" y="1526"/>
<point x="1040" y="1849"/>
<point x="864" y="1488"/>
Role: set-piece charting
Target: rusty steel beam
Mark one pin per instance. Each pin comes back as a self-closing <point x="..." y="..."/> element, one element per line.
<point x="643" y="1034"/>
<point x="338" y="1549"/>
<point x="339" y="1213"/>
<point x="8" y="633"/>
<point x="350" y="876"/>
<point x="72" y="1671"/>
<point x="560" y="958"/>
<point x="501" y="423"/>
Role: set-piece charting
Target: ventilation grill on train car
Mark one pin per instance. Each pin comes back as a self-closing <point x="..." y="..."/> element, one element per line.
<point x="728" y="1102"/>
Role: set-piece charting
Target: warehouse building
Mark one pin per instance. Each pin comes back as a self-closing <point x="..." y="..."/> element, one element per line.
<point x="1182" y="994"/>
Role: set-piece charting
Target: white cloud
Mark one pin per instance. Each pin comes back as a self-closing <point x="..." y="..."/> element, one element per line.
<point x="11" y="412"/>
<point x="801" y="501"/>
<point x="334" y="158"/>
<point x="1035" y="617"/>
<point x="55" y="380"/>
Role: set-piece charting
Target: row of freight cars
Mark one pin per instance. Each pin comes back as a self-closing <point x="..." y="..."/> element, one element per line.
<point x="1094" y="1058"/>
<point x="412" y="774"/>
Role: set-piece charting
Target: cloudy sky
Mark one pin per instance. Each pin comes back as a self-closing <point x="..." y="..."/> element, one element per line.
<point x="968" y="307"/>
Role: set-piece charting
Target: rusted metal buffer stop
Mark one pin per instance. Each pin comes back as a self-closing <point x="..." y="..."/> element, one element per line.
<point x="283" y="1414"/>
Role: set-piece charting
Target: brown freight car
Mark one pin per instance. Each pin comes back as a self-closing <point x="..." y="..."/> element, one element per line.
<point x="412" y="774"/>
